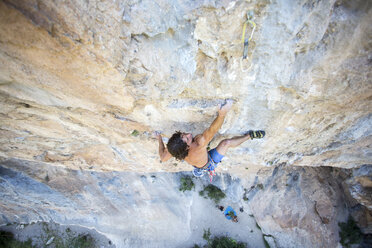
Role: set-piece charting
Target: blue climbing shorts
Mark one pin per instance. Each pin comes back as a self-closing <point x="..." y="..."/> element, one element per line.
<point x="213" y="159"/>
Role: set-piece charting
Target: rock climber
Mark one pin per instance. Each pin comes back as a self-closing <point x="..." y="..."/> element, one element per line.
<point x="183" y="146"/>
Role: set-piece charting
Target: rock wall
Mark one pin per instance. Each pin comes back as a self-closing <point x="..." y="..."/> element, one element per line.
<point x="307" y="204"/>
<point x="131" y="209"/>
<point x="78" y="78"/>
<point x="357" y="186"/>
<point x="84" y="83"/>
<point x="305" y="208"/>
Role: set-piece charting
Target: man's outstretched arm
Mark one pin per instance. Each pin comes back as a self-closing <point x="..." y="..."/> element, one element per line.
<point x="217" y="123"/>
<point x="163" y="151"/>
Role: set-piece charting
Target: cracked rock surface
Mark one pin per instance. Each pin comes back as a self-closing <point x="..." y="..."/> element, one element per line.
<point x="83" y="84"/>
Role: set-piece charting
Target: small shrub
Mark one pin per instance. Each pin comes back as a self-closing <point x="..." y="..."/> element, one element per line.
<point x="186" y="183"/>
<point x="221" y="242"/>
<point x="213" y="193"/>
<point x="260" y="186"/>
<point x="349" y="233"/>
<point x="207" y="235"/>
<point x="82" y="241"/>
<point x="7" y="240"/>
<point x="135" y="133"/>
<point x="67" y="240"/>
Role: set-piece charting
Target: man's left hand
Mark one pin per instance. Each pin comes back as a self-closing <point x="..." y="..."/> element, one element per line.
<point x="156" y="134"/>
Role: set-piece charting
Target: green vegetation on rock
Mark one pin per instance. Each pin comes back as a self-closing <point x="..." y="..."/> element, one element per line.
<point x="66" y="239"/>
<point x="82" y="241"/>
<point x="265" y="241"/>
<point x="7" y="240"/>
<point x="220" y="242"/>
<point x="349" y="233"/>
<point x="258" y="226"/>
<point x="260" y="186"/>
<point x="186" y="183"/>
<point x="135" y="133"/>
<point x="207" y="234"/>
<point x="213" y="193"/>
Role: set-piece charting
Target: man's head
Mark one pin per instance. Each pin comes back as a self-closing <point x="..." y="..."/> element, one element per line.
<point x="178" y="145"/>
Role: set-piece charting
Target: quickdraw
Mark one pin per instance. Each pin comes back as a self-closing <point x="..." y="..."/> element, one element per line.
<point x="246" y="40"/>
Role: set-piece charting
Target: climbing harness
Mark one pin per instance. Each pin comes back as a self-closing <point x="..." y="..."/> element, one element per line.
<point x="245" y="39"/>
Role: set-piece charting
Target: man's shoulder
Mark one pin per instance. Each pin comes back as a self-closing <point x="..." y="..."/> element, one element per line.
<point x="199" y="140"/>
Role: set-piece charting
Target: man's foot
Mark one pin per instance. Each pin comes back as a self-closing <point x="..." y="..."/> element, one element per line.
<point x="256" y="134"/>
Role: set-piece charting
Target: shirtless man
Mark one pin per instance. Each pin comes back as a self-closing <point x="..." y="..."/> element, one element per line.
<point x="183" y="146"/>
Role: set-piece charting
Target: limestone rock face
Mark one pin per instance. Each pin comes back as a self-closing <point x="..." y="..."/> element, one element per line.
<point x="300" y="206"/>
<point x="83" y="84"/>
<point x="361" y="185"/>
<point x="358" y="191"/>
<point x="78" y="78"/>
<point x="131" y="209"/>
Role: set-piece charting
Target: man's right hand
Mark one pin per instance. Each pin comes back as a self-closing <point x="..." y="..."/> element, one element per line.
<point x="225" y="107"/>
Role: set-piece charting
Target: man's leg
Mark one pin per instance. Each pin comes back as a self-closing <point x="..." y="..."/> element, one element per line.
<point x="233" y="142"/>
<point x="236" y="141"/>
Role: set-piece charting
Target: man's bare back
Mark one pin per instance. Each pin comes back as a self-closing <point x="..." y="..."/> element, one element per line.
<point x="197" y="155"/>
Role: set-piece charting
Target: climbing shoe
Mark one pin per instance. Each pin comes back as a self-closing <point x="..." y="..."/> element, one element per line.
<point x="256" y="134"/>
